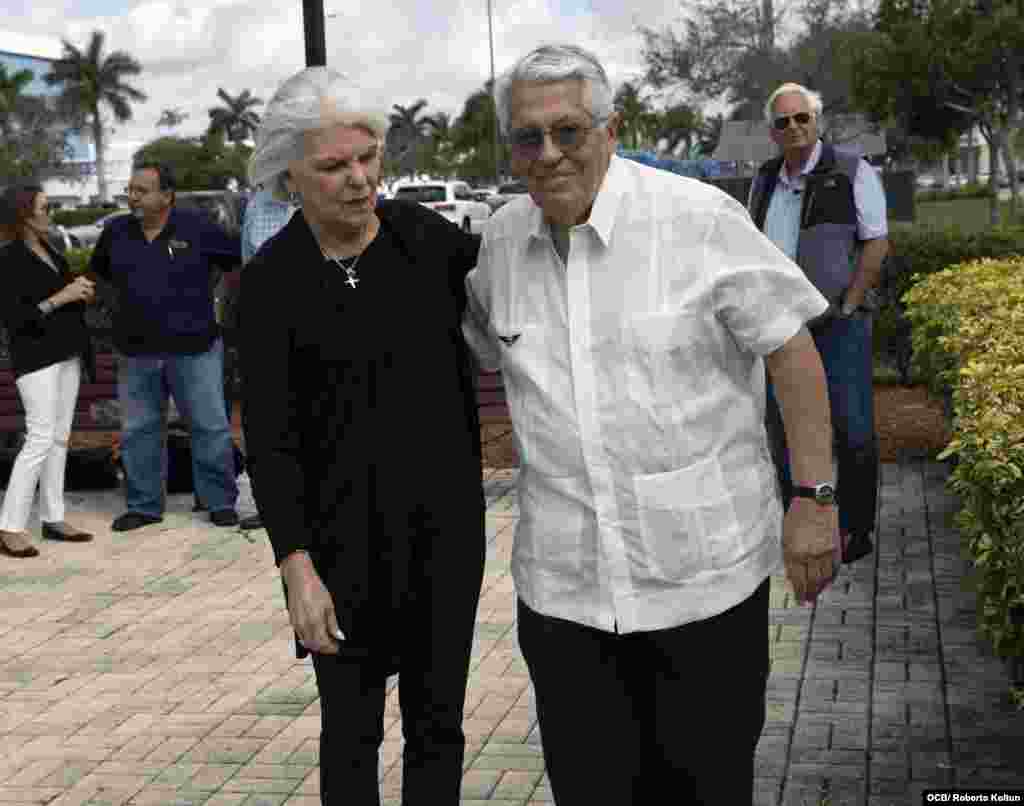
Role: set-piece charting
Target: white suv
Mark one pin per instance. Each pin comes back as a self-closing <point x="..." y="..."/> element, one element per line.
<point x="454" y="200"/>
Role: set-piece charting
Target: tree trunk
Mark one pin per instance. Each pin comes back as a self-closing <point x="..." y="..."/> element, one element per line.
<point x="972" y="157"/>
<point x="995" y="149"/>
<point x="101" y="162"/>
<point x="1011" y="172"/>
<point x="767" y="26"/>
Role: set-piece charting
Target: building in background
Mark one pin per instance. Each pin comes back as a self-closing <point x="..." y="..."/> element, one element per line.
<point x="76" y="184"/>
<point x="746" y="142"/>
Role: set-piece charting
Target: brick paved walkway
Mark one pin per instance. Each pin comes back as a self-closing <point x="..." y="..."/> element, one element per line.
<point x="155" y="667"/>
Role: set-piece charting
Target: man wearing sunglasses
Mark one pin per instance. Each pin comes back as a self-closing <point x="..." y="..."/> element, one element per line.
<point x="826" y="210"/>
<point x="632" y="313"/>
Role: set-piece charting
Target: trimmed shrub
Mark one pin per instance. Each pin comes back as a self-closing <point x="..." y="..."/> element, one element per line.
<point x="78" y="258"/>
<point x="916" y="254"/>
<point x="968" y="332"/>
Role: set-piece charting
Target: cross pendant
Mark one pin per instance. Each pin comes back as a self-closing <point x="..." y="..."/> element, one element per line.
<point x="352" y="280"/>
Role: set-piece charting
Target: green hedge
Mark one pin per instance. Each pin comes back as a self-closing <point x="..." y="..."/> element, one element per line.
<point x="80" y="217"/>
<point x="916" y="254"/>
<point x="968" y="330"/>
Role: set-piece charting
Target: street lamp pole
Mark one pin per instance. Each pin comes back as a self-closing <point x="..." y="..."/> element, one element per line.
<point x="316" y="39"/>
<point x="494" y="97"/>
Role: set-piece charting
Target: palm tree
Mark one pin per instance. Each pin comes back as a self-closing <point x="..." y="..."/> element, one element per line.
<point x="407" y="131"/>
<point x="633" y="115"/>
<point x="681" y="123"/>
<point x="88" y="80"/>
<point x="171" y="118"/>
<point x="11" y="89"/>
<point x="436" y="158"/>
<point x="474" y="136"/>
<point x="235" y="118"/>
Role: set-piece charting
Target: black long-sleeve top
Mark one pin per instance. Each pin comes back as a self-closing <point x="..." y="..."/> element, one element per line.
<point x="36" y="340"/>
<point x="344" y="387"/>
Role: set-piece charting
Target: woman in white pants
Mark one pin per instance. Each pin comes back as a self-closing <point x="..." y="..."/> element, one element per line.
<point x="43" y="309"/>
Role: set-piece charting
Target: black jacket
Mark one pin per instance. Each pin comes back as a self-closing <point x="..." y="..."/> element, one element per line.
<point x="35" y="340"/>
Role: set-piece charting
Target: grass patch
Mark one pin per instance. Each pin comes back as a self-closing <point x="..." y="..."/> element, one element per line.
<point x="969" y="215"/>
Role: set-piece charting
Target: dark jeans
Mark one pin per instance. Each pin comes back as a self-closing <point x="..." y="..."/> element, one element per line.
<point x="667" y="716"/>
<point x="845" y="348"/>
<point x="197" y="384"/>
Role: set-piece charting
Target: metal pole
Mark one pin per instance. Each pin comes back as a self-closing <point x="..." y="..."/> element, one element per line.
<point x="316" y="39"/>
<point x="494" y="97"/>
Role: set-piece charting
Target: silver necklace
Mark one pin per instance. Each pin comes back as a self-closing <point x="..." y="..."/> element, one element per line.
<point x="352" y="279"/>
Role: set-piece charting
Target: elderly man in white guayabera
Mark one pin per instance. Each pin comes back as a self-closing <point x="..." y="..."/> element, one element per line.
<point x="632" y="313"/>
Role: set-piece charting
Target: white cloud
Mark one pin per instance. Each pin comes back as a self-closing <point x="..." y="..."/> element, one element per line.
<point x="398" y="51"/>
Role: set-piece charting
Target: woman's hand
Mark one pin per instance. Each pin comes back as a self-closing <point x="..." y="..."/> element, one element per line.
<point x="81" y="289"/>
<point x="310" y="607"/>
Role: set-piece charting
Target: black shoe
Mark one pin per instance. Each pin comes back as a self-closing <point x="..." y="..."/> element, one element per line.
<point x="251" y="522"/>
<point x="62" y="531"/>
<point x="133" y="520"/>
<point x="224" y="517"/>
<point x="856" y="547"/>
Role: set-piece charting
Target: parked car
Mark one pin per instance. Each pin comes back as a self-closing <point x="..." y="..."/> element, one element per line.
<point x="61" y="239"/>
<point x="506" y="193"/>
<point x="88" y="234"/>
<point x="926" y="181"/>
<point x="484" y="193"/>
<point x="453" y="200"/>
<point x="224" y="207"/>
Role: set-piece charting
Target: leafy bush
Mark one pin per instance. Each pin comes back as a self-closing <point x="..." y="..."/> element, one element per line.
<point x="917" y="254"/>
<point x="968" y="330"/>
<point x="80" y="217"/>
<point x="78" y="258"/>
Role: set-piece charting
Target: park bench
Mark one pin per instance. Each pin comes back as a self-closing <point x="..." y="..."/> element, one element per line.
<point x="92" y="415"/>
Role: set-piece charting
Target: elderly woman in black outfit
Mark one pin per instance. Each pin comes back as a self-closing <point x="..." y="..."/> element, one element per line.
<point x="360" y="419"/>
<point x="42" y="306"/>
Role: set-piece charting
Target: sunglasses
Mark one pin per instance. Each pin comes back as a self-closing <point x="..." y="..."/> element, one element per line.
<point x="782" y="121"/>
<point x="528" y="142"/>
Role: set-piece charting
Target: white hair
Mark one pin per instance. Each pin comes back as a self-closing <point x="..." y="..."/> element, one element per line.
<point x="551" y="63"/>
<point x="310" y="100"/>
<point x="813" y="99"/>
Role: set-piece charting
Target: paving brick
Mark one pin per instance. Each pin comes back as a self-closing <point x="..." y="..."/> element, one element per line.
<point x="163" y="662"/>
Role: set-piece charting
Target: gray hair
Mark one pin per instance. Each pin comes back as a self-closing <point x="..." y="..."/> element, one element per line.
<point x="551" y="63"/>
<point x="813" y="99"/>
<point x="310" y="100"/>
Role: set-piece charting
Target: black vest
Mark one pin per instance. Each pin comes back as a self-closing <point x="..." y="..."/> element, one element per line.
<point x="827" y="245"/>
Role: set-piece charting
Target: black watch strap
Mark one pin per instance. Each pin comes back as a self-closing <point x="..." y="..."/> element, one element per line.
<point x="823" y="494"/>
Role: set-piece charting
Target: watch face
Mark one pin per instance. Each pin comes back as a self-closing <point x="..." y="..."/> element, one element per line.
<point x="825" y="494"/>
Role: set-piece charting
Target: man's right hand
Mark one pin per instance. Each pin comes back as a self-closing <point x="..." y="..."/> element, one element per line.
<point x="310" y="607"/>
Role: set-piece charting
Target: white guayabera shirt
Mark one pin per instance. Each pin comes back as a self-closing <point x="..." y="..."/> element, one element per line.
<point x="636" y="386"/>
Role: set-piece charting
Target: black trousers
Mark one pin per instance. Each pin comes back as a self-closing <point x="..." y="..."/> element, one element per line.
<point x="669" y="716"/>
<point x="438" y="627"/>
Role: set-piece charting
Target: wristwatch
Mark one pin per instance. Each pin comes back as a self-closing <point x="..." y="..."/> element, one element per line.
<point x="822" y="494"/>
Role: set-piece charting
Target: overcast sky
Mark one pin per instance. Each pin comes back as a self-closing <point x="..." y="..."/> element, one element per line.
<point x="398" y="50"/>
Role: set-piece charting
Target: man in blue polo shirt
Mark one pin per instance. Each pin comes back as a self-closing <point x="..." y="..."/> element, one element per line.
<point x="160" y="260"/>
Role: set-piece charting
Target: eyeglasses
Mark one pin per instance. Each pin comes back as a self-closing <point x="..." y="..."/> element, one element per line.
<point x="135" y="190"/>
<point x="782" y="121"/>
<point x="528" y="142"/>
